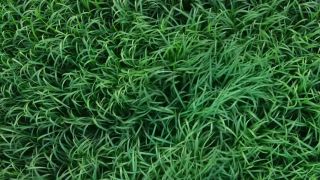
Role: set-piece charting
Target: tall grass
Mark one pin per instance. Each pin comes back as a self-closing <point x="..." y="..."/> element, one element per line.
<point x="95" y="89"/>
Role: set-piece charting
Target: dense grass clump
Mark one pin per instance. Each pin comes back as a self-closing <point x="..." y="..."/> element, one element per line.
<point x="124" y="89"/>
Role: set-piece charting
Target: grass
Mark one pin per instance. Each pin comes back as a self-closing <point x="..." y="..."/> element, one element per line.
<point x="148" y="89"/>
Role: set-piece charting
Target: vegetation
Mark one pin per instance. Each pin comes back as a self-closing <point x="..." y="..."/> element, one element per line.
<point x="124" y="89"/>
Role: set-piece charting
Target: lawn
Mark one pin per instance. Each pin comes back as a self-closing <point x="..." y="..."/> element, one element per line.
<point x="159" y="89"/>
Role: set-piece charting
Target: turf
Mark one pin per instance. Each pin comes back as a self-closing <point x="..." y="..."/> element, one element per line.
<point x="149" y="89"/>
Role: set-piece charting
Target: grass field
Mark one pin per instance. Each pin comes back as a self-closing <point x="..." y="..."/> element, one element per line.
<point x="159" y="89"/>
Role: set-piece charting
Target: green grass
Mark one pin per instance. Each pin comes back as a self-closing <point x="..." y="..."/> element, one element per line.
<point x="124" y="89"/>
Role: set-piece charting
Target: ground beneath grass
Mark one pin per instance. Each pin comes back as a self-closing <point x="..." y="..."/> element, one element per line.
<point x="101" y="89"/>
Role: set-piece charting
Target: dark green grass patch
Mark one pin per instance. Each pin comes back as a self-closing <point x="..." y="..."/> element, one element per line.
<point x="93" y="89"/>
